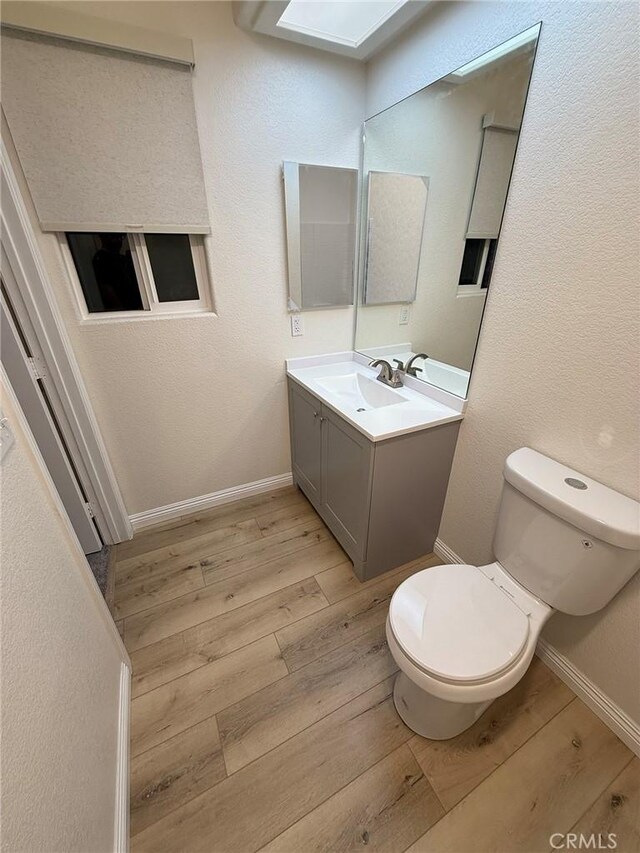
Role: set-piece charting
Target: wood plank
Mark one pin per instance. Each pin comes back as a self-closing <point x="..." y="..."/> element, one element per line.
<point x="242" y="558"/>
<point x="164" y="712"/>
<point x="616" y="812"/>
<point x="150" y="626"/>
<point x="205" y="522"/>
<point x="543" y="788"/>
<point x="188" y="552"/>
<point x="259" y="802"/>
<point x="339" y="582"/>
<point x="454" y="767"/>
<point x="283" y="519"/>
<point x="133" y="597"/>
<point x="181" y="653"/>
<point x="316" y="635"/>
<point x="386" y="808"/>
<point x="268" y="717"/>
<point x="172" y="773"/>
<point x="120" y="627"/>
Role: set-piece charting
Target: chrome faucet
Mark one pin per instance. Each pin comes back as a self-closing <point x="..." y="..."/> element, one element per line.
<point x="388" y="375"/>
<point x="410" y="369"/>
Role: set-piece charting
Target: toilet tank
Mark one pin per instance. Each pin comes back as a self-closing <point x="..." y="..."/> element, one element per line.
<point x="568" y="539"/>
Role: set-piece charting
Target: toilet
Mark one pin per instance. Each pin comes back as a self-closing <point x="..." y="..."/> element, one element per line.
<point x="463" y="635"/>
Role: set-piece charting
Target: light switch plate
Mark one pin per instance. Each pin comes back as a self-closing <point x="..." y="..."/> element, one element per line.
<point x="403" y="320"/>
<point x="297" y="328"/>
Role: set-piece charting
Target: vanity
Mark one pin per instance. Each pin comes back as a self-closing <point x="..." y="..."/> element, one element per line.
<point x="409" y="245"/>
<point x="374" y="461"/>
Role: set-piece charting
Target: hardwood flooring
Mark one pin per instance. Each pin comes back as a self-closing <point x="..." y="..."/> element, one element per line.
<point x="263" y="719"/>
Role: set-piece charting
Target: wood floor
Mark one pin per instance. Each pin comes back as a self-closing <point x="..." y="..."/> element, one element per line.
<point x="262" y="716"/>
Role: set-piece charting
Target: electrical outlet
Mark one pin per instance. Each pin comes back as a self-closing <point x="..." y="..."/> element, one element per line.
<point x="296" y="325"/>
<point x="403" y="320"/>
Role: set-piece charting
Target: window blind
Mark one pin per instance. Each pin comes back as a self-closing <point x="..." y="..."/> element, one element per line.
<point x="107" y="140"/>
<point x="492" y="183"/>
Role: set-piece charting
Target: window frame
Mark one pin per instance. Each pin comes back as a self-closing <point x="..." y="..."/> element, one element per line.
<point x="475" y="289"/>
<point x="152" y="307"/>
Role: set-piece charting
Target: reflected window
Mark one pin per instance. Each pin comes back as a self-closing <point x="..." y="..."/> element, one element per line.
<point x="477" y="264"/>
<point x="471" y="261"/>
<point x="488" y="264"/>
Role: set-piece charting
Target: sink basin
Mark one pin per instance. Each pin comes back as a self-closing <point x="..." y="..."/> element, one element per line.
<point x="360" y="392"/>
<point x="340" y="382"/>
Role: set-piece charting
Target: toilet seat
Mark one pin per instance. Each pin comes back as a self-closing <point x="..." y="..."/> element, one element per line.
<point x="456" y="625"/>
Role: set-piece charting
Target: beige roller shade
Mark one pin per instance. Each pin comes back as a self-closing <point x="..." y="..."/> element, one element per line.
<point x="492" y="184"/>
<point x="107" y="140"/>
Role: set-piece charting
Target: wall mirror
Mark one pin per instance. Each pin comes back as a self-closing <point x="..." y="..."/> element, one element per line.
<point x="321" y="213"/>
<point x="436" y="173"/>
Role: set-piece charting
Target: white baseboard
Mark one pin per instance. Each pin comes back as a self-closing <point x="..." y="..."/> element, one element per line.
<point x="443" y="551"/>
<point x="611" y="715"/>
<point x="172" y="511"/>
<point x="121" y="824"/>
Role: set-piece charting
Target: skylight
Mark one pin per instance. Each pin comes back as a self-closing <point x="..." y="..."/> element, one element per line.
<point x="349" y="23"/>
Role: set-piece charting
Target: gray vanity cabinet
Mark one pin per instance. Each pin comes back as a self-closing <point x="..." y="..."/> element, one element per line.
<point x="306" y="443"/>
<point x="347" y="459"/>
<point x="381" y="500"/>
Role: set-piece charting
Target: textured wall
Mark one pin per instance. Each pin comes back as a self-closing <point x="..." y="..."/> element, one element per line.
<point x="557" y="365"/>
<point x="191" y="406"/>
<point x="60" y="674"/>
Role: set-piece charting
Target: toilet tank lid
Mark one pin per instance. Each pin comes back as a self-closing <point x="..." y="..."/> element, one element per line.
<point x="590" y="506"/>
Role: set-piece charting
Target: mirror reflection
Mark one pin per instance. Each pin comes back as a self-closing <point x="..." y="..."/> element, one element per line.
<point x="436" y="173"/>
<point x="320" y="209"/>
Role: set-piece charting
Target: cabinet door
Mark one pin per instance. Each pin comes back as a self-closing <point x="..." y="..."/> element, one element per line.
<point x="347" y="458"/>
<point x="306" y="441"/>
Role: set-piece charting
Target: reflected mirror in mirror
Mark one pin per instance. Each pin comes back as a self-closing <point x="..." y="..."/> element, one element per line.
<point x="436" y="174"/>
<point x="321" y="209"/>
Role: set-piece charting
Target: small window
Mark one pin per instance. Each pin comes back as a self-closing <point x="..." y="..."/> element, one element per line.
<point x="138" y="274"/>
<point x="477" y="265"/>
<point x="172" y="267"/>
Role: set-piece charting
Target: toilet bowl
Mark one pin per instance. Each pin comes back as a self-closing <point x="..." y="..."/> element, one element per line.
<point x="463" y="635"/>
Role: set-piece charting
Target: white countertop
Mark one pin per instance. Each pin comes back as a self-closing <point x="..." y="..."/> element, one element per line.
<point x="414" y="410"/>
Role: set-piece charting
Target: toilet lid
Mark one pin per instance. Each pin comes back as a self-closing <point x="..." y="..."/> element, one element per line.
<point x="455" y="623"/>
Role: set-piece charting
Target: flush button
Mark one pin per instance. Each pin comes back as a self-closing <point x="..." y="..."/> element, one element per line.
<point x="575" y="484"/>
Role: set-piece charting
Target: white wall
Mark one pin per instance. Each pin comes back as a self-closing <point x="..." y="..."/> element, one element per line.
<point x="557" y="365"/>
<point x="59" y="669"/>
<point x="192" y="406"/>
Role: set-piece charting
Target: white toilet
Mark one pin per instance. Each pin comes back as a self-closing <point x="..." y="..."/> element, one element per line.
<point x="464" y="635"/>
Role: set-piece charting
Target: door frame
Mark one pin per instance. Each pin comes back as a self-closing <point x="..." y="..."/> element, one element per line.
<point x="37" y="310"/>
<point x="18" y="364"/>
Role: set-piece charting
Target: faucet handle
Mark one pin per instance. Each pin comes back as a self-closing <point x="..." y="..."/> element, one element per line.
<point x="410" y="369"/>
<point x="399" y="363"/>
